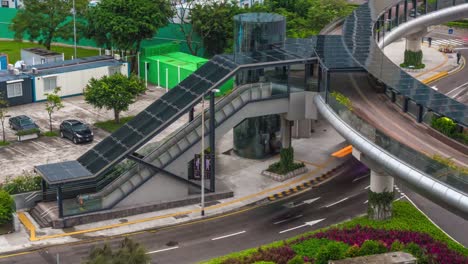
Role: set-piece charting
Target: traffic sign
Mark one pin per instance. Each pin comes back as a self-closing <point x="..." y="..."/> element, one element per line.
<point x="450" y="31"/>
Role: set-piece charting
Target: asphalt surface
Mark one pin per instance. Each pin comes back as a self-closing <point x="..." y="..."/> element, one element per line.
<point x="341" y="198"/>
<point x="455" y="85"/>
<point x="335" y="201"/>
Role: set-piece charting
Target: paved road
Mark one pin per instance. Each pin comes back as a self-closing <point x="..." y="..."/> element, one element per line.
<point x="378" y="111"/>
<point x="456" y="85"/>
<point x="453" y="224"/>
<point x="339" y="199"/>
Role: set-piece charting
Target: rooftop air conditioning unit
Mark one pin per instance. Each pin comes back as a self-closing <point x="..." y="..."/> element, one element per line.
<point x="23" y="67"/>
<point x="117" y="56"/>
<point x="16" y="72"/>
<point x="34" y="71"/>
<point x="107" y="52"/>
<point x="10" y="67"/>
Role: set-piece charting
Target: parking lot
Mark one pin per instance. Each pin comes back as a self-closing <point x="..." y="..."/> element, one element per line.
<point x="23" y="156"/>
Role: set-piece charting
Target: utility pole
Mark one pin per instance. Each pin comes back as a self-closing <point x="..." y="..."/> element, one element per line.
<point x="202" y="157"/>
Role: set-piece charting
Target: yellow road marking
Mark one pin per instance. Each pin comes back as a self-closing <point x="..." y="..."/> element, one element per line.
<point x="435" y="68"/>
<point x="435" y="77"/>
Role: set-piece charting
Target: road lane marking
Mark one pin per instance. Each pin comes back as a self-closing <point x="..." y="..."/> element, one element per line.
<point x="342" y="200"/>
<point x="367" y="187"/>
<point x="162" y="250"/>
<point x="230" y="235"/>
<point x="366" y="201"/>
<point x="311" y="223"/>
<point x="289" y="219"/>
<point x="455" y="89"/>
<point x="362" y="177"/>
<point x="19" y="151"/>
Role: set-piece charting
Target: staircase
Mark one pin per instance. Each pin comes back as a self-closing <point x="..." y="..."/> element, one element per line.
<point x="43" y="213"/>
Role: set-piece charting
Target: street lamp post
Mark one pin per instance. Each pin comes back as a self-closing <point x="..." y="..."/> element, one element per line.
<point x="383" y="45"/>
<point x="74" y="28"/>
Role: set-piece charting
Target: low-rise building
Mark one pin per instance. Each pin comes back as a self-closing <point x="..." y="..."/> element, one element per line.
<point x="72" y="76"/>
<point x="16" y="87"/>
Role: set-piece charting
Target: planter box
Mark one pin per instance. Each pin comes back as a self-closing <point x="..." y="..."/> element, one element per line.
<point x="283" y="177"/>
<point x="27" y="137"/>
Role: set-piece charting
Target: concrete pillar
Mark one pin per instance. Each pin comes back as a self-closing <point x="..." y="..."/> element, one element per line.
<point x="413" y="41"/>
<point x="381" y="189"/>
<point x="381" y="182"/>
<point x="285" y="133"/>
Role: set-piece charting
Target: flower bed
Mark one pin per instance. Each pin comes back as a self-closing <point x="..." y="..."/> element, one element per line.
<point x="408" y="231"/>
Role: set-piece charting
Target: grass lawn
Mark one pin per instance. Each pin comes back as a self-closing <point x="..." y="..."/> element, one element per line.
<point x="110" y="126"/>
<point x="405" y="217"/>
<point x="13" y="49"/>
<point x="3" y="144"/>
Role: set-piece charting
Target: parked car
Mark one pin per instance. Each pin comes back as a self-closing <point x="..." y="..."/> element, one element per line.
<point x="22" y="123"/>
<point x="76" y="131"/>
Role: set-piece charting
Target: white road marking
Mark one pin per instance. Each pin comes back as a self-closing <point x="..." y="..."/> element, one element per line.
<point x="292" y="205"/>
<point x="362" y="177"/>
<point x="435" y="87"/>
<point x="367" y="187"/>
<point x="311" y="200"/>
<point x="162" y="250"/>
<point x="401" y="197"/>
<point x="311" y="223"/>
<point x="235" y="234"/>
<point x="40" y="145"/>
<point x="342" y="200"/>
<point x="366" y="201"/>
<point x="289" y="219"/>
<point x="456" y="90"/>
<point x="19" y="151"/>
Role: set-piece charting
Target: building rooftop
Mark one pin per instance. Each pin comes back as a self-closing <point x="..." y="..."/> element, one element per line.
<point x="43" y="52"/>
<point x="7" y="76"/>
<point x="74" y="65"/>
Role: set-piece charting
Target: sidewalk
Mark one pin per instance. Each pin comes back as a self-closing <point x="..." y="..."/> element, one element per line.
<point x="437" y="63"/>
<point x="240" y="175"/>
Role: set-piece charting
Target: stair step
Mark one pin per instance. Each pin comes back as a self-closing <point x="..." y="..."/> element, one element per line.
<point x="36" y="213"/>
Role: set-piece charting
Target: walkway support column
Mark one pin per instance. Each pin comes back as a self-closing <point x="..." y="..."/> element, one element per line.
<point x="413" y="52"/>
<point x="285" y="132"/>
<point x="212" y="142"/>
<point x="60" y="201"/>
<point x="380" y="195"/>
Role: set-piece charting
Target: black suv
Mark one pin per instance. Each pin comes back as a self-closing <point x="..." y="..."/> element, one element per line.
<point x="76" y="131"/>
<point x="22" y="123"/>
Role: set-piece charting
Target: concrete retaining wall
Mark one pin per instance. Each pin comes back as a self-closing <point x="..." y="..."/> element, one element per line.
<point x="128" y="211"/>
<point x="25" y="201"/>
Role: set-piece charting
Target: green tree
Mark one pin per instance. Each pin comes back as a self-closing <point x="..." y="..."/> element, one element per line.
<point x="46" y="20"/>
<point x="6" y="207"/>
<point x="115" y="92"/>
<point x="3" y="115"/>
<point x="322" y="12"/>
<point x="53" y="103"/>
<point x="129" y="252"/>
<point x="214" y="23"/>
<point x="124" y="24"/>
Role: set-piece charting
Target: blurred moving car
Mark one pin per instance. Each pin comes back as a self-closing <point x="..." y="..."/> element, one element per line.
<point x="22" y="123"/>
<point x="76" y="131"/>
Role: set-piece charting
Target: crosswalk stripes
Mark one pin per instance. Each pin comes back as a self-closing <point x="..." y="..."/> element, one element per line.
<point x="453" y="42"/>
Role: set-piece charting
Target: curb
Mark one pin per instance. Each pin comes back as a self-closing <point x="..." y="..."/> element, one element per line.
<point x="305" y="185"/>
<point x="444" y="74"/>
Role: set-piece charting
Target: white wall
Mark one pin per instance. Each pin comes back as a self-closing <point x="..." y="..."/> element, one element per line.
<point x="74" y="82"/>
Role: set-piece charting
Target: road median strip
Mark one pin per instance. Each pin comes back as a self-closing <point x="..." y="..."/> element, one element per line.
<point x="308" y="184"/>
